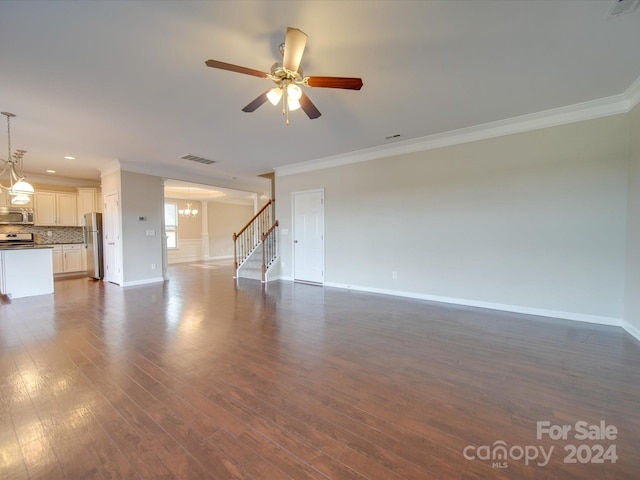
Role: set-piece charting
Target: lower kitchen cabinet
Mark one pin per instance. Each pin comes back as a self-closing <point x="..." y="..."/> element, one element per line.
<point x="72" y="258"/>
<point x="56" y="256"/>
<point x="68" y="258"/>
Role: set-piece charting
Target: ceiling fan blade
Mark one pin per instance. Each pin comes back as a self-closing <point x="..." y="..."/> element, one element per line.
<point x="235" y="68"/>
<point x="294" y="44"/>
<point x="256" y="103"/>
<point x="335" y="82"/>
<point x="309" y="108"/>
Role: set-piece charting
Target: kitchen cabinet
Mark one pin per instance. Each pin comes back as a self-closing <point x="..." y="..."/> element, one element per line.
<point x="56" y="257"/>
<point x="72" y="258"/>
<point x="69" y="258"/>
<point x="56" y="209"/>
<point x="89" y="200"/>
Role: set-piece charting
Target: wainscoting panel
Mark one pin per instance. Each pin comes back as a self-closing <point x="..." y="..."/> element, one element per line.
<point x="189" y="250"/>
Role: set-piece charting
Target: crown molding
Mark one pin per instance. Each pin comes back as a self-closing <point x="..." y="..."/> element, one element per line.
<point x="62" y="181"/>
<point x="590" y="110"/>
<point x="255" y="184"/>
<point x="633" y="93"/>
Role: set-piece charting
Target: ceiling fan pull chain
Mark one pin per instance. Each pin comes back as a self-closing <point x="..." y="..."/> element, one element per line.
<point x="285" y="94"/>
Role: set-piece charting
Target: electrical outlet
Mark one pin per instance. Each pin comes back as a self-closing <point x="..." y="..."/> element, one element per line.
<point x="394" y="275"/>
<point x="153" y="266"/>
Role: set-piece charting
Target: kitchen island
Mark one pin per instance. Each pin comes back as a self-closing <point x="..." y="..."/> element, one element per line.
<point x="26" y="271"/>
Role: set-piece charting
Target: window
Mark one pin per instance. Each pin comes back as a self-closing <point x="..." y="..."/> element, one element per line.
<point x="171" y="224"/>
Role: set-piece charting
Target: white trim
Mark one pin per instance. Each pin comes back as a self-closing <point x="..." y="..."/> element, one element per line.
<point x="112" y="167"/>
<point x="602" y="107"/>
<point x="250" y="184"/>
<point x="143" y="282"/>
<point x="267" y="278"/>
<point x="293" y="223"/>
<point x="633" y="93"/>
<point x="631" y="330"/>
<point x="579" y="317"/>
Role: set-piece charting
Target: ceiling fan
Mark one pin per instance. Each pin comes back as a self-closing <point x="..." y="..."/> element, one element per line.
<point x="288" y="78"/>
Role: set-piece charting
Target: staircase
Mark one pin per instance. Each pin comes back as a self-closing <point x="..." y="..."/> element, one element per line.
<point x="255" y="248"/>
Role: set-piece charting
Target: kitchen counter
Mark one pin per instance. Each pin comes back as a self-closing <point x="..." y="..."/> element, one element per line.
<point x="26" y="271"/>
<point x="34" y="247"/>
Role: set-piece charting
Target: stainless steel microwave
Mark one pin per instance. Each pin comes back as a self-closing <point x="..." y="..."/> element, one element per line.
<point x="16" y="215"/>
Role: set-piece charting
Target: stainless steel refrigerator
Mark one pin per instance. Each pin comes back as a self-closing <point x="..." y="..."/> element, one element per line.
<point x="93" y="244"/>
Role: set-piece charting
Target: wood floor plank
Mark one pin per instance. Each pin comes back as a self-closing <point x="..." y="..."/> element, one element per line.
<point x="206" y="377"/>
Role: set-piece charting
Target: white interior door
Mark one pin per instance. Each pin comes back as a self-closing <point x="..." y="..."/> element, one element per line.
<point x="111" y="233"/>
<point x="308" y="236"/>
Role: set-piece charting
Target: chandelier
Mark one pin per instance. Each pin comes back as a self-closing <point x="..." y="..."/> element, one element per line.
<point x="19" y="189"/>
<point x="188" y="212"/>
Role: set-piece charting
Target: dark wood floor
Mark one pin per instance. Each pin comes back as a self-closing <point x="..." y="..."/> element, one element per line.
<point x="202" y="378"/>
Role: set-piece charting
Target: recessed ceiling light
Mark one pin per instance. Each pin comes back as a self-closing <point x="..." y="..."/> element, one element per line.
<point x="69" y="157"/>
<point x="50" y="171"/>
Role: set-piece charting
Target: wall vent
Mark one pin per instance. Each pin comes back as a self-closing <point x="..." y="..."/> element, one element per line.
<point x="195" y="158"/>
<point x="620" y="7"/>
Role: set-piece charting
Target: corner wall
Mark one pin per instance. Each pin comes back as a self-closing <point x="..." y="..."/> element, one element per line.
<point x="531" y="222"/>
<point x="632" y="284"/>
<point x="141" y="196"/>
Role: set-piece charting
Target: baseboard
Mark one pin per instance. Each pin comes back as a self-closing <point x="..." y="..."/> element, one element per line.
<point x="579" y="317"/>
<point x="143" y="282"/>
<point x="631" y="330"/>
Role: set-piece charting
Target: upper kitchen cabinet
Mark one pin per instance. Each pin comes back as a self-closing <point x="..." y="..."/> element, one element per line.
<point x="88" y="201"/>
<point x="55" y="209"/>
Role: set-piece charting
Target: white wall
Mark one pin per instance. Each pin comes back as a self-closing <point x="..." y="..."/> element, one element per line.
<point x="225" y="219"/>
<point x="533" y="221"/>
<point x="632" y="286"/>
<point x="141" y="196"/>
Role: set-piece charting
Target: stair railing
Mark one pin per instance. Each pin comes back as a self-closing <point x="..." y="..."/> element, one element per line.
<point x="269" y="249"/>
<point x="250" y="236"/>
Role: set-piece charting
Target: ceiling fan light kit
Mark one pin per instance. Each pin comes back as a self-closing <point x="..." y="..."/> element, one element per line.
<point x="289" y="79"/>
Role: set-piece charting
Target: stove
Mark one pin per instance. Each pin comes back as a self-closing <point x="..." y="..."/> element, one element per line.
<point x="16" y="240"/>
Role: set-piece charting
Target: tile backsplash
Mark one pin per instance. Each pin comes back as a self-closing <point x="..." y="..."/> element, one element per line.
<point x="58" y="234"/>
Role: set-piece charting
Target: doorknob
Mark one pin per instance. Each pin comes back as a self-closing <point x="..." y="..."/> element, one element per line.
<point x="295" y="241"/>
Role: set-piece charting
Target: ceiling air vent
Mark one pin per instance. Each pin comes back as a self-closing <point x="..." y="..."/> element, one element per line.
<point x="195" y="158"/>
<point x="622" y="6"/>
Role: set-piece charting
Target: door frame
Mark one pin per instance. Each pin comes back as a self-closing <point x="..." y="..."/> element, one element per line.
<point x="293" y="223"/>
<point x="118" y="277"/>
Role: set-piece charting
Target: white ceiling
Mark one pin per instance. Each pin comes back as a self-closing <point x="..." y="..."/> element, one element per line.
<point x="112" y="80"/>
<point x="191" y="191"/>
